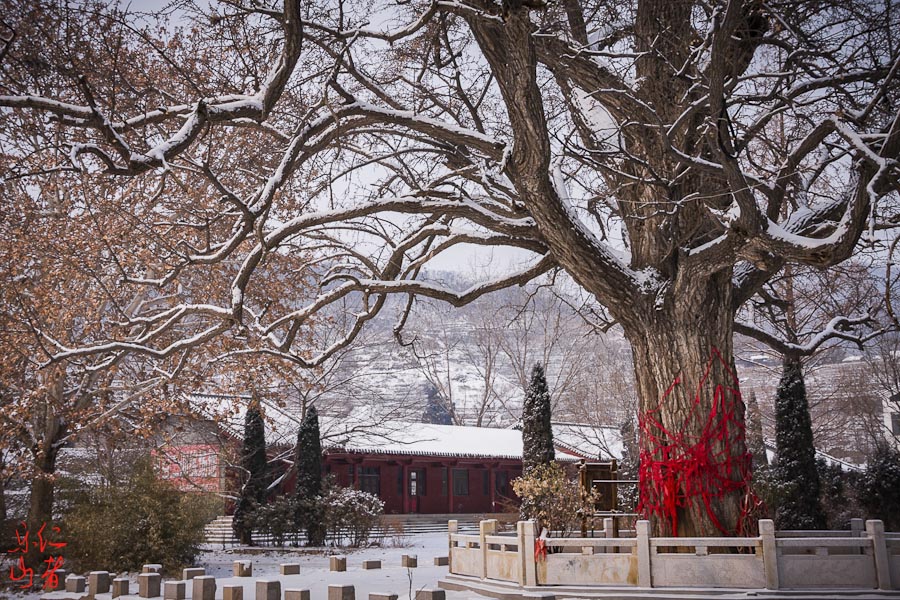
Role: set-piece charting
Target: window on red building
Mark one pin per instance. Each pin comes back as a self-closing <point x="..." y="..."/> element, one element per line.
<point x="501" y="482"/>
<point x="460" y="482"/>
<point x="370" y="480"/>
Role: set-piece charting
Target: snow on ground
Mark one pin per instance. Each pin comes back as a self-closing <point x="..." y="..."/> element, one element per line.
<point x="314" y="574"/>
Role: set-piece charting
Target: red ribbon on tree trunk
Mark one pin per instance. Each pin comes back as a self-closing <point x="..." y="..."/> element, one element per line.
<point x="679" y="468"/>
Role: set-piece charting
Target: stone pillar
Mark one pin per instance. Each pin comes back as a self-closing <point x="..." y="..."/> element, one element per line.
<point x="452" y="529"/>
<point x="409" y="561"/>
<point x="643" y="554"/>
<point x="337" y="563"/>
<point x="152" y="568"/>
<point x="190" y="573"/>
<point x="174" y="590"/>
<point x="296" y="594"/>
<point x="857" y="528"/>
<point x="232" y="592"/>
<point x="368" y="565"/>
<point x="441" y="561"/>
<point x="61" y="575"/>
<point x="527" y="567"/>
<point x="74" y="584"/>
<point x="98" y="582"/>
<point x="382" y="596"/>
<point x="428" y="594"/>
<point x="769" y="552"/>
<point x="204" y="588"/>
<point x="486" y="528"/>
<point x="875" y="531"/>
<point x="290" y="569"/>
<point x="268" y="590"/>
<point x="243" y="568"/>
<point x="120" y="587"/>
<point x="341" y="592"/>
<point x="149" y="584"/>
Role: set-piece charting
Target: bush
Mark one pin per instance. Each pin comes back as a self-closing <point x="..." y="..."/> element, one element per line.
<point x="879" y="487"/>
<point x="147" y="520"/>
<point x="277" y="519"/>
<point x="552" y="499"/>
<point x="352" y="514"/>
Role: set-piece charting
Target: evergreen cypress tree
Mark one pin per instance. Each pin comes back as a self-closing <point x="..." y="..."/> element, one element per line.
<point x="537" y="433"/>
<point x="255" y="464"/>
<point x="880" y="487"/>
<point x="436" y="410"/>
<point x="795" y="460"/>
<point x="308" y="461"/>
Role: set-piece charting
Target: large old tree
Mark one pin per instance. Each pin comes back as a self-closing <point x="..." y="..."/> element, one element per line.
<point x="670" y="156"/>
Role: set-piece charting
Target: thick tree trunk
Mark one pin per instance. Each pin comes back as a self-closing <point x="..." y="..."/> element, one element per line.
<point x="695" y="467"/>
<point x="40" y="510"/>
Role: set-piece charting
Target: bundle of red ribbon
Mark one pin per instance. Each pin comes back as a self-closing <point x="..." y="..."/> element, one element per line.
<point x="680" y="468"/>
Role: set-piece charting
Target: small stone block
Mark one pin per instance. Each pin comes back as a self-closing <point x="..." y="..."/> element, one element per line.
<point x="204" y="588"/>
<point x="409" y="560"/>
<point x="190" y="573"/>
<point x="243" y="568"/>
<point x="120" y="587"/>
<point x="427" y="594"/>
<point x="441" y="561"/>
<point x="537" y="596"/>
<point x="337" y="563"/>
<point x="61" y="574"/>
<point x="341" y="592"/>
<point x="382" y="596"/>
<point x="371" y="564"/>
<point x="174" y="590"/>
<point x="296" y="594"/>
<point x="268" y="590"/>
<point x="290" y="569"/>
<point x="232" y="592"/>
<point x="98" y="582"/>
<point x="152" y="568"/>
<point x="149" y="584"/>
<point x="74" y="584"/>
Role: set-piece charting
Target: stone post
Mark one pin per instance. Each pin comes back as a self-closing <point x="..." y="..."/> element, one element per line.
<point x="429" y="594"/>
<point x="769" y="553"/>
<point x="341" y="592"/>
<point x="98" y="582"/>
<point x="452" y="529"/>
<point x="74" y="584"/>
<point x="368" y="565"/>
<point x="204" y="588"/>
<point x="336" y="563"/>
<point x="409" y="561"/>
<point x="232" y="592"/>
<point x="191" y="572"/>
<point x="243" y="568"/>
<point x="152" y="568"/>
<point x="875" y="529"/>
<point x="643" y="554"/>
<point x="486" y="528"/>
<point x="120" y="587"/>
<point x="296" y="594"/>
<point x="528" y="568"/>
<point x="857" y="530"/>
<point x="149" y="584"/>
<point x="174" y="590"/>
<point x="267" y="590"/>
<point x="291" y="568"/>
<point x="382" y="596"/>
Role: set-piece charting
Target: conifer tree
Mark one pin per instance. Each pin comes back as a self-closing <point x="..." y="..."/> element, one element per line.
<point x="308" y="460"/>
<point x="537" y="433"/>
<point x="795" y="461"/>
<point x="436" y="410"/>
<point x="254" y="463"/>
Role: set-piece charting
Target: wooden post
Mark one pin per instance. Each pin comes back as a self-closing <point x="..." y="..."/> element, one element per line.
<point x="643" y="554"/>
<point x="769" y="553"/>
<point x="875" y="529"/>
<point x="486" y="528"/>
<point x="492" y="482"/>
<point x="452" y="529"/>
<point x="526" y="549"/>
<point x="449" y="488"/>
<point x="405" y="469"/>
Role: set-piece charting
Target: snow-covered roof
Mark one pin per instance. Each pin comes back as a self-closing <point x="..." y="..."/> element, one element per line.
<point x="367" y="431"/>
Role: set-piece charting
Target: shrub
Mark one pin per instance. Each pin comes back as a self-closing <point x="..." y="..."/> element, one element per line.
<point x="352" y="514"/>
<point x="277" y="519"/>
<point x="879" y="487"/>
<point x="552" y="499"/>
<point x="146" y="520"/>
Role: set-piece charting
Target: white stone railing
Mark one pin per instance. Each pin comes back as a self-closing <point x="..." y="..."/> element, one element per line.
<point x="862" y="558"/>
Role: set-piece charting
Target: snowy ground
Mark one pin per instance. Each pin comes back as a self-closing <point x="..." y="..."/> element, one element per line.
<point x="314" y="574"/>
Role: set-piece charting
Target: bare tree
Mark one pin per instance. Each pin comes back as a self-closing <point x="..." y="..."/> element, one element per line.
<point x="628" y="143"/>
